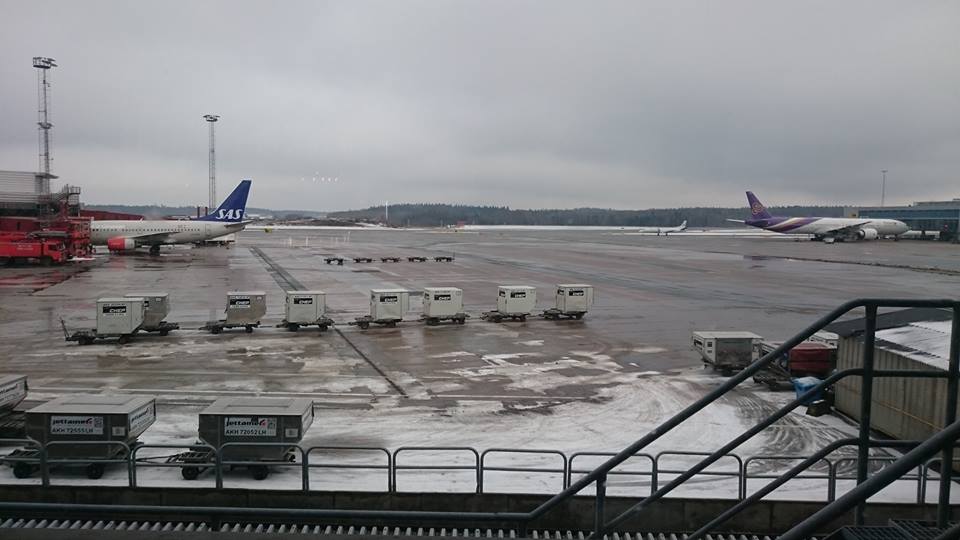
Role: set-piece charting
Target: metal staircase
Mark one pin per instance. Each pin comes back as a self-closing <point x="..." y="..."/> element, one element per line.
<point x="917" y="453"/>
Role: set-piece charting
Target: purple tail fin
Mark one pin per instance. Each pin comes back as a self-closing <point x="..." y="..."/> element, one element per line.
<point x="757" y="210"/>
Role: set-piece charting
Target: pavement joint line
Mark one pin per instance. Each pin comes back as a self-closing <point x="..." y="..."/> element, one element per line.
<point x="288" y="282"/>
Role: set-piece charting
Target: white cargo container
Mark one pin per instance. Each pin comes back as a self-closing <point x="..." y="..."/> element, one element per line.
<point x="119" y="316"/>
<point x="442" y="302"/>
<point x="156" y="307"/>
<point x="245" y="308"/>
<point x="13" y="389"/>
<point x="516" y="300"/>
<point x="305" y="307"/>
<point x="574" y="298"/>
<point x="727" y="351"/>
<point x="829" y="338"/>
<point x="388" y="304"/>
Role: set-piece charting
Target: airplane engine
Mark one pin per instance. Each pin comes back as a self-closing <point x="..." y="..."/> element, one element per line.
<point x="121" y="243"/>
<point x="868" y="234"/>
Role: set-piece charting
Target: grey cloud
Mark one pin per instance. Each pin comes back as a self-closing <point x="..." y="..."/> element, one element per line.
<point x="531" y="104"/>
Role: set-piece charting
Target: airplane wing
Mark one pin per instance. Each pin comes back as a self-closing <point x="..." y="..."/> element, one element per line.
<point x="847" y="228"/>
<point x="736" y="220"/>
<point x="152" y="237"/>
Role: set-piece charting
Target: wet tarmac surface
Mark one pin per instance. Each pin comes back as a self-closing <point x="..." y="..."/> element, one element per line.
<point x="589" y="384"/>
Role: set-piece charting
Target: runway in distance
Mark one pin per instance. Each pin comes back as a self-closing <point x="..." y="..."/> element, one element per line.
<point x="827" y="229"/>
<point x="663" y="230"/>
<point x="128" y="235"/>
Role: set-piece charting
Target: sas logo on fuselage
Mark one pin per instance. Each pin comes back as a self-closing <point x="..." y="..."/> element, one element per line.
<point x="233" y="213"/>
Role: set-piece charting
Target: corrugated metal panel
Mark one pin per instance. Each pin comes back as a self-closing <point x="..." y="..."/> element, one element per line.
<point x="23" y="183"/>
<point x="909" y="409"/>
<point x="338" y="530"/>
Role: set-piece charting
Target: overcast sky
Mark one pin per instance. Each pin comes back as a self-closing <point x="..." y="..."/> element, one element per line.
<point x="527" y="104"/>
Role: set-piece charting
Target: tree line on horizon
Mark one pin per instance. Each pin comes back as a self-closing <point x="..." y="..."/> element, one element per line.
<point x="438" y="215"/>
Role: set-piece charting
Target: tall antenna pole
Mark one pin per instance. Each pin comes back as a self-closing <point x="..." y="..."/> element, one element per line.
<point x="883" y="187"/>
<point x="44" y="64"/>
<point x="212" y="119"/>
<point x="386" y="212"/>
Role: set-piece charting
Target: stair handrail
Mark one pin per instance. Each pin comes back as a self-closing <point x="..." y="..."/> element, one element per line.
<point x="945" y="438"/>
<point x="871" y="306"/>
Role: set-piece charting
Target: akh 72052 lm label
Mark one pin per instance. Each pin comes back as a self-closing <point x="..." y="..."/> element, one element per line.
<point x="249" y="426"/>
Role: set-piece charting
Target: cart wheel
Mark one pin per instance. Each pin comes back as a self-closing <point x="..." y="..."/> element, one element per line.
<point x="392" y="324"/>
<point x="523" y="318"/>
<point x="164" y="332"/>
<point x="190" y="473"/>
<point x="363" y="325"/>
<point x="460" y="321"/>
<point x="293" y="327"/>
<point x="22" y="470"/>
<point x="94" y="471"/>
<point x="323" y="327"/>
<point x="216" y="330"/>
<point x="86" y="341"/>
<point x="578" y="316"/>
<point x="259" y="472"/>
<point x="249" y="329"/>
<point x="124" y="339"/>
<point x="432" y="322"/>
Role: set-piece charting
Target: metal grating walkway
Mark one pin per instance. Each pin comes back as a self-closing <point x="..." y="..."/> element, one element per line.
<point x="230" y="529"/>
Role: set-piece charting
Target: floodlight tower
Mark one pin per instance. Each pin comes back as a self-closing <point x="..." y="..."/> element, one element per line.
<point x="212" y="119"/>
<point x="43" y="65"/>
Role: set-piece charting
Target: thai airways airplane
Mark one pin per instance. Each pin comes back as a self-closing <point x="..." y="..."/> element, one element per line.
<point x="127" y="235"/>
<point x="827" y="229"/>
<point x="663" y="230"/>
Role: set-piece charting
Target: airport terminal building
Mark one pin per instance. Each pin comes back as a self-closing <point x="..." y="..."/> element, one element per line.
<point x="926" y="216"/>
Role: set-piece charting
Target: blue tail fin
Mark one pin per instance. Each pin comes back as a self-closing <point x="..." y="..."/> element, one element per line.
<point x="757" y="210"/>
<point x="233" y="207"/>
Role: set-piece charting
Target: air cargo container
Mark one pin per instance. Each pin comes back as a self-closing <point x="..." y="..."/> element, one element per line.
<point x="514" y="302"/>
<point x="443" y="304"/>
<point x="119" y="316"/>
<point x="305" y="308"/>
<point x="389" y="304"/>
<point x="573" y="301"/>
<point x="13" y="389"/>
<point x="238" y="420"/>
<point x="727" y="351"/>
<point x="244" y="310"/>
<point x="70" y="426"/>
<point x="156" y="307"/>
<point x="806" y="358"/>
<point x="387" y="308"/>
<point x="516" y="299"/>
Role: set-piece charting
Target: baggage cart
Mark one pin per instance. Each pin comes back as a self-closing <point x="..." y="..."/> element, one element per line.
<point x="101" y="427"/>
<point x="239" y="420"/>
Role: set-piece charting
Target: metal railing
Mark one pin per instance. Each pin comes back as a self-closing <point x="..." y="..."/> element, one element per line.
<point x="920" y="454"/>
<point x="658" y="466"/>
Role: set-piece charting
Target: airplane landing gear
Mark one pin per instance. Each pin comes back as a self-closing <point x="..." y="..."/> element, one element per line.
<point x="155" y="249"/>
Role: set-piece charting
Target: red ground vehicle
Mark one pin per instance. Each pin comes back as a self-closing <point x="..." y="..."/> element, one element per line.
<point x="48" y="241"/>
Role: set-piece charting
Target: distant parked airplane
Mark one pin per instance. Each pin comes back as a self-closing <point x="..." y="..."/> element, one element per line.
<point x="128" y="235"/>
<point x="663" y="230"/>
<point x="827" y="229"/>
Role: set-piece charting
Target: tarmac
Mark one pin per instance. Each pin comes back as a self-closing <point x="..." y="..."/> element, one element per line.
<point x="593" y="384"/>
